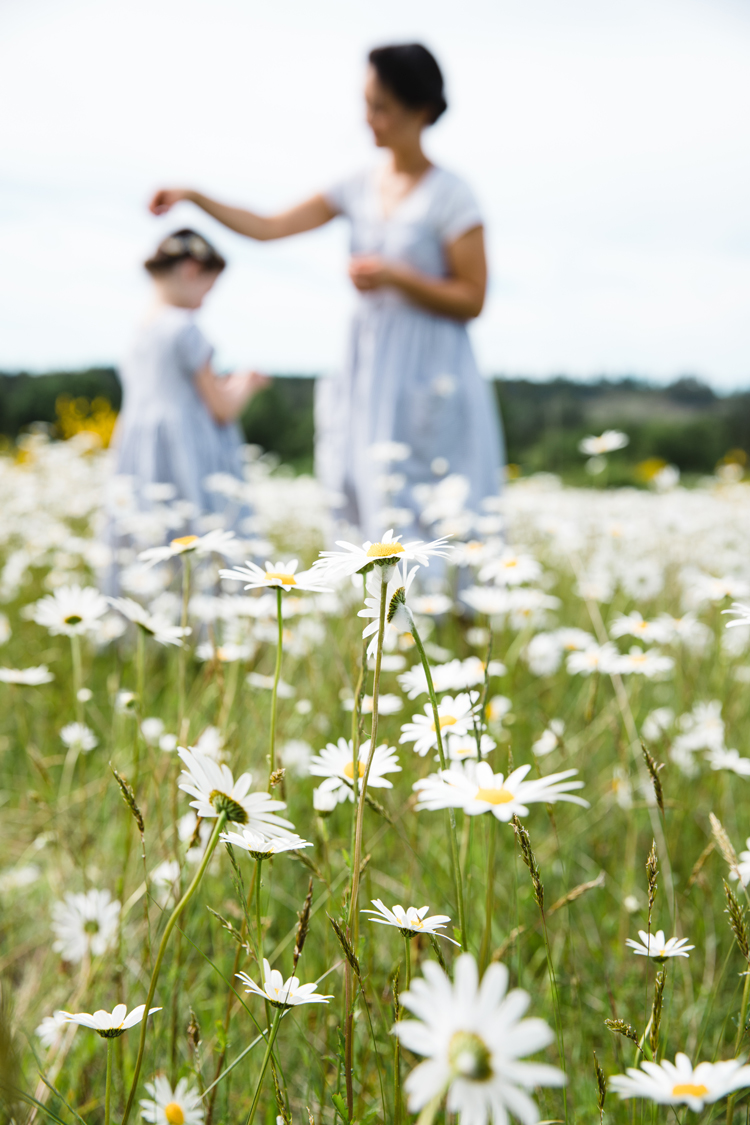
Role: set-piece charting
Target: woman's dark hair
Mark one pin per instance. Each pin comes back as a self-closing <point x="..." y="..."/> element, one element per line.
<point x="412" y="75"/>
<point x="182" y="246"/>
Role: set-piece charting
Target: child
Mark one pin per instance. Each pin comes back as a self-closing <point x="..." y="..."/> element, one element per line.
<point x="177" y="426"/>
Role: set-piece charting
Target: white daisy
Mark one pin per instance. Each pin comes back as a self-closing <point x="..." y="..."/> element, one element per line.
<point x="214" y="541"/>
<point x="388" y="703"/>
<point x="455" y="717"/>
<point x="607" y="442"/>
<point x="336" y="764"/>
<point x="657" y="722"/>
<point x="71" y="610"/>
<point x="80" y="736"/>
<point x="597" y="658"/>
<point x="678" y="1083"/>
<point x="549" y="739"/>
<point x="729" y="760"/>
<point x="702" y="728"/>
<point x="265" y="683"/>
<point x="282" y="575"/>
<point x="85" y="923"/>
<point x="411" y="921"/>
<point x="262" y="847"/>
<point x="497" y="708"/>
<point x="634" y="625"/>
<point x="474" y="788"/>
<point x="460" y="747"/>
<point x="432" y="605"/>
<point x="50" y="1028"/>
<point x="455" y="675"/>
<point x="396" y="622"/>
<point x="281" y="993"/>
<point x="473" y="1038"/>
<point x="110" y="1024"/>
<point x="324" y="802"/>
<point x="156" y="626"/>
<point x="388" y="552"/>
<point x="511" y="569"/>
<point x="165" y="1106"/>
<point x="28" y="677"/>
<point x="152" y="729"/>
<point x="740" y="612"/>
<point x="215" y="791"/>
<point x="743" y="868"/>
<point x="657" y="947"/>
<point x="652" y="664"/>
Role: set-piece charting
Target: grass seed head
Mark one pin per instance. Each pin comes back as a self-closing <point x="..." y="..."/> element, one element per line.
<point x="654" y="768"/>
<point x="620" y="1027"/>
<point x="723" y="843"/>
<point x="737" y="921"/>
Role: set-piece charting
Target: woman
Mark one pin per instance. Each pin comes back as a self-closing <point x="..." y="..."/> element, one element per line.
<point x="410" y="391"/>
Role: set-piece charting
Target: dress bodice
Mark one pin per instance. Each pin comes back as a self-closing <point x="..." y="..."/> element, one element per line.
<point x="440" y="208"/>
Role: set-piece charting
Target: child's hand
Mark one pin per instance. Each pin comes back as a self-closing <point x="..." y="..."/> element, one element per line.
<point x="165" y="198"/>
<point x="258" y="381"/>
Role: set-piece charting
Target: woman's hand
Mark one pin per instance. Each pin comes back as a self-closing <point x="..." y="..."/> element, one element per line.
<point x="369" y="271"/>
<point x="165" y="198"/>
<point x="459" y="295"/>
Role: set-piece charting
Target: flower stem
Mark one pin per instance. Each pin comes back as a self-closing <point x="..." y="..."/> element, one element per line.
<point x="181" y="653"/>
<point x="258" y="918"/>
<point x="484" y="952"/>
<point x="738" y="1040"/>
<point x="75" y="651"/>
<point x="172" y="922"/>
<point x="264" y="1067"/>
<point x="108" y="1086"/>
<point x="407" y="959"/>
<point x="357" y="855"/>
<point x="275" y="692"/>
<point x="455" y="862"/>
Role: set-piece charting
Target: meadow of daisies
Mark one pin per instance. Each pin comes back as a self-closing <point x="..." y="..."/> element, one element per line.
<point x="297" y="828"/>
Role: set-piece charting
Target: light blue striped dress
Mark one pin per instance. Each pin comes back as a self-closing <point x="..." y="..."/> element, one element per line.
<point x="165" y="433"/>
<point x="409" y="375"/>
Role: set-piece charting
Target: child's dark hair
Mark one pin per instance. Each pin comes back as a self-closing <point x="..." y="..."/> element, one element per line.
<point x="183" y="246"/>
<point x="412" y="74"/>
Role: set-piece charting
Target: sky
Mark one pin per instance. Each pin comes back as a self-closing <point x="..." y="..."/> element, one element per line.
<point x="606" y="141"/>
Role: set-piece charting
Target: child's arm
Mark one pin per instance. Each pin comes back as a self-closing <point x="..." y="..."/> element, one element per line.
<point x="314" y="212"/>
<point x="227" y="396"/>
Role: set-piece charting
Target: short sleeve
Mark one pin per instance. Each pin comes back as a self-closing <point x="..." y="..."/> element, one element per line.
<point x="342" y="196"/>
<point x="458" y="210"/>
<point x="193" y="349"/>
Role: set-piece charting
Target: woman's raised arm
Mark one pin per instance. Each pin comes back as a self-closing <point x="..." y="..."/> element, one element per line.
<point x="314" y="212"/>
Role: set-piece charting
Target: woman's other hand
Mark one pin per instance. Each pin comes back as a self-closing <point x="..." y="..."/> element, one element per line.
<point x="369" y="271"/>
<point x="164" y="199"/>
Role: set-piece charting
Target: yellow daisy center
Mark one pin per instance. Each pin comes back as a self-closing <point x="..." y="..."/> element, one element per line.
<point x="510" y="562"/>
<point x="285" y="579"/>
<point x="184" y="541"/>
<point x="446" y="721"/>
<point x="349" y="770"/>
<point x="494" y="796"/>
<point x="173" y="1113"/>
<point x="689" y="1090"/>
<point x="384" y="550"/>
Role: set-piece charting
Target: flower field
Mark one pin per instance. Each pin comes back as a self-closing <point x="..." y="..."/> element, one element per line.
<point x="313" y="832"/>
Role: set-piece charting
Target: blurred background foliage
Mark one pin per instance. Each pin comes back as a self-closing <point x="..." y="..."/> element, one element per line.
<point x="685" y="424"/>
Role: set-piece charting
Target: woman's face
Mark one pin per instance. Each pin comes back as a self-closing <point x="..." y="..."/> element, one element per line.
<point x="393" y="124"/>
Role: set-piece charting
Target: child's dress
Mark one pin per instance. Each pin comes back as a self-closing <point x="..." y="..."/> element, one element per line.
<point x="165" y="433"/>
<point x="166" y="436"/>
